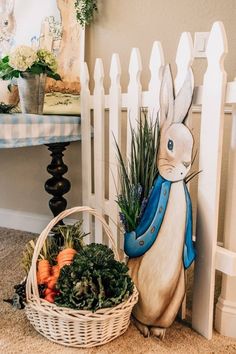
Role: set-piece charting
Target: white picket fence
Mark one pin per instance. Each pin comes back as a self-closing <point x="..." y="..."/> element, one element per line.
<point x="105" y="117"/>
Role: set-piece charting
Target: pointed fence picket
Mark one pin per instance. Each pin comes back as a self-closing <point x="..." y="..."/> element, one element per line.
<point x="156" y="66"/>
<point x="210" y="156"/>
<point x="114" y="137"/>
<point x="134" y="95"/>
<point x="183" y="60"/>
<point x="212" y="96"/>
<point x="86" y="145"/>
<point x="98" y="116"/>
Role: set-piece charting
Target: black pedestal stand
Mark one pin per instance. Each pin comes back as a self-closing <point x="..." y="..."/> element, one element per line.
<point x="57" y="185"/>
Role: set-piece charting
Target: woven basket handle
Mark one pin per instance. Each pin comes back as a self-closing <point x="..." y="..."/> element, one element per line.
<point x="31" y="284"/>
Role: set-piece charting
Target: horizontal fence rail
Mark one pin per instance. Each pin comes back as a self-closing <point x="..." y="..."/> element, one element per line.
<point x="230" y="97"/>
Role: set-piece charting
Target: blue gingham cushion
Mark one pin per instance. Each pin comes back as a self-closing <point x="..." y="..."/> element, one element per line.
<point x="17" y="130"/>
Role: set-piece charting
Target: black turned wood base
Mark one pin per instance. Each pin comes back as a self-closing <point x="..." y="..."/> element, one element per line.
<point x="57" y="185"/>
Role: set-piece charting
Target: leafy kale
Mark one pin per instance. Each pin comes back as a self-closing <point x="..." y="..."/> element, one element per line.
<point x="94" y="280"/>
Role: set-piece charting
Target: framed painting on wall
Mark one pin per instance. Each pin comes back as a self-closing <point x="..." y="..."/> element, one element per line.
<point x="52" y="25"/>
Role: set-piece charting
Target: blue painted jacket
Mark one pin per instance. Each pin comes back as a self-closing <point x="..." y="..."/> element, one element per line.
<point x="140" y="241"/>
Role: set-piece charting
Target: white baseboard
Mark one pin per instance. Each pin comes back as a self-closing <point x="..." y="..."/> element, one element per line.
<point x="25" y="221"/>
<point x="225" y="317"/>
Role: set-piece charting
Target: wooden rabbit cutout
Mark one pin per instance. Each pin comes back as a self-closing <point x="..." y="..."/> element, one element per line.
<point x="7" y="33"/>
<point x="7" y="26"/>
<point x="161" y="247"/>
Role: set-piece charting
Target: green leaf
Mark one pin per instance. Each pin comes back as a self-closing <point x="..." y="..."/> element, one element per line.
<point x="35" y="69"/>
<point x="55" y="76"/>
<point x="5" y="59"/>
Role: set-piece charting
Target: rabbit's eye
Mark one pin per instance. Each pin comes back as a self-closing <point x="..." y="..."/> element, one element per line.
<point x="170" y="145"/>
<point x="6" y="23"/>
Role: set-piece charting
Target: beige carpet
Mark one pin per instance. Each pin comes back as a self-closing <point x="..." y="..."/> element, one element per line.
<point x="17" y="335"/>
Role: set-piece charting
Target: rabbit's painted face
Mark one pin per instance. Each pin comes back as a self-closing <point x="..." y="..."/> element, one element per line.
<point x="7" y="21"/>
<point x="175" y="152"/>
<point x="6" y="27"/>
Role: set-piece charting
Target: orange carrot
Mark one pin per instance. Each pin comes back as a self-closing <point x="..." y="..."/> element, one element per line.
<point x="65" y="257"/>
<point x="56" y="270"/>
<point x="48" y="291"/>
<point x="44" y="269"/>
<point x="50" y="297"/>
<point x="51" y="282"/>
<point x="39" y="281"/>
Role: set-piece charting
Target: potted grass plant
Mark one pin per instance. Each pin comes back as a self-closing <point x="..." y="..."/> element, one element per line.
<point x="137" y="175"/>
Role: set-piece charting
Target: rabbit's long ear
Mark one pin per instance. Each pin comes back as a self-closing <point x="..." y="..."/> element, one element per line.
<point x="166" y="97"/>
<point x="184" y="98"/>
<point x="10" y="6"/>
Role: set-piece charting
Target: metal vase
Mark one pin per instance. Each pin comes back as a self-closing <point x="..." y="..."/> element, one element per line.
<point x="32" y="91"/>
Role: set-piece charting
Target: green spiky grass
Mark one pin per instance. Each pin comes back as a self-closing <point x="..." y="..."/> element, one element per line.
<point x="137" y="175"/>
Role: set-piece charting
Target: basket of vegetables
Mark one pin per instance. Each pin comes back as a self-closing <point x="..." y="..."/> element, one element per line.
<point x="87" y="295"/>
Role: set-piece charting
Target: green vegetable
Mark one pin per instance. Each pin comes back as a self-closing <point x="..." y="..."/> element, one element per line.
<point x="94" y="280"/>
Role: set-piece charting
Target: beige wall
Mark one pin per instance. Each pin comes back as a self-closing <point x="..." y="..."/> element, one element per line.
<point x="123" y="24"/>
<point x="119" y="26"/>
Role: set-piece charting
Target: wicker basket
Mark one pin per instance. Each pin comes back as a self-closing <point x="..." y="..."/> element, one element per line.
<point x="75" y="328"/>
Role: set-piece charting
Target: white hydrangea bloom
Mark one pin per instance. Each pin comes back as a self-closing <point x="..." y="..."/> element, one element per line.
<point x="22" y="58"/>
